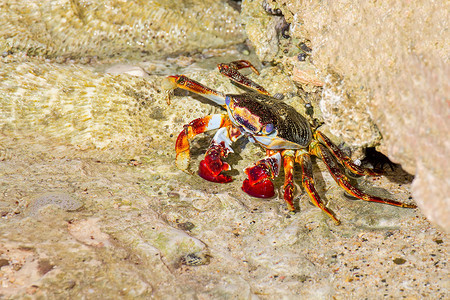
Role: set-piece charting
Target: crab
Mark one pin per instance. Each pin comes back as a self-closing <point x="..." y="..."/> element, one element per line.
<point x="285" y="134"/>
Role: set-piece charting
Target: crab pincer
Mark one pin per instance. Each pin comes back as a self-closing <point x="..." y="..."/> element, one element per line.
<point x="211" y="166"/>
<point x="258" y="183"/>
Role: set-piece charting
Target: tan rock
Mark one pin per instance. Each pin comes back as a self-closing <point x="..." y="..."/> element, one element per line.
<point x="391" y="58"/>
<point x="103" y="29"/>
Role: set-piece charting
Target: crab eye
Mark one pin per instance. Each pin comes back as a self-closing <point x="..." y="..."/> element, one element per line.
<point x="181" y="80"/>
<point x="227" y="100"/>
<point x="268" y="128"/>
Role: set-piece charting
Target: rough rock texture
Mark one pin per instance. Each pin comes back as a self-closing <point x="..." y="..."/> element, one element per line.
<point x="92" y="205"/>
<point x="101" y="29"/>
<point x="147" y="229"/>
<point x="83" y="107"/>
<point x="386" y="72"/>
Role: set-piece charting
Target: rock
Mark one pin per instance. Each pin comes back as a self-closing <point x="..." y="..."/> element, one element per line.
<point x="126" y="69"/>
<point x="88" y="232"/>
<point x="149" y="230"/>
<point x="103" y="29"/>
<point x="69" y="111"/>
<point x="126" y="241"/>
<point x="387" y="77"/>
<point x="63" y="201"/>
<point x="260" y="28"/>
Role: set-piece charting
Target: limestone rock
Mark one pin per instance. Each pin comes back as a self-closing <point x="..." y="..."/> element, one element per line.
<point x="103" y="29"/>
<point x="260" y="28"/>
<point x="146" y="229"/>
<point x="393" y="82"/>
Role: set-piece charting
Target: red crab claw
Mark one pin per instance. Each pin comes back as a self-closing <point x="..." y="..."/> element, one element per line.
<point x="257" y="184"/>
<point x="212" y="166"/>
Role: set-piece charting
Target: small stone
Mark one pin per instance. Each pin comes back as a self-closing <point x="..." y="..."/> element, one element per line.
<point x="399" y="261"/>
<point x="3" y="262"/>
<point x="44" y="266"/>
<point x="31" y="290"/>
<point x="186" y="226"/>
<point x="195" y="259"/>
<point x="70" y="284"/>
<point x="302" y="56"/>
<point x="63" y="200"/>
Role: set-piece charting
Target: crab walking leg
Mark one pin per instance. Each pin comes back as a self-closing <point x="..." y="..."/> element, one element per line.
<point x="288" y="164"/>
<point x="183" y="82"/>
<point x="342" y="158"/>
<point x="190" y="130"/>
<point x="304" y="159"/>
<point x="231" y="71"/>
<point x="211" y="166"/>
<point x="323" y="153"/>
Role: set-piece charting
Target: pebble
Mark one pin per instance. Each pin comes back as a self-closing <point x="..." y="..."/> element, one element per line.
<point x="62" y="200"/>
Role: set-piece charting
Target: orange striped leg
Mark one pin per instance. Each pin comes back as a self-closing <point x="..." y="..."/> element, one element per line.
<point x="231" y="71"/>
<point x="304" y="160"/>
<point x="342" y="158"/>
<point x="288" y="164"/>
<point x="185" y="83"/>
<point x="190" y="130"/>
<point x="241" y="64"/>
<point x="322" y="152"/>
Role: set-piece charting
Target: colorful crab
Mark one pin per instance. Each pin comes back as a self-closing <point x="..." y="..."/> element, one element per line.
<point x="285" y="134"/>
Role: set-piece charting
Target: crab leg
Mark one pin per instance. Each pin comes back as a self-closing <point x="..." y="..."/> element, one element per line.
<point x="241" y="64"/>
<point x="258" y="183"/>
<point x="190" y="130"/>
<point x="183" y="82"/>
<point x="322" y="152"/>
<point x="231" y="71"/>
<point x="303" y="158"/>
<point x="288" y="164"/>
<point x="342" y="158"/>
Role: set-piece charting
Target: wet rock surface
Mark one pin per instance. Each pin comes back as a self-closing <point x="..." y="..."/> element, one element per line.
<point x="92" y="30"/>
<point x="128" y="240"/>
<point x="386" y="79"/>
<point x="92" y="204"/>
<point x="130" y="237"/>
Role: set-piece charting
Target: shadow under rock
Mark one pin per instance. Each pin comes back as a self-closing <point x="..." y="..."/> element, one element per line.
<point x="394" y="172"/>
